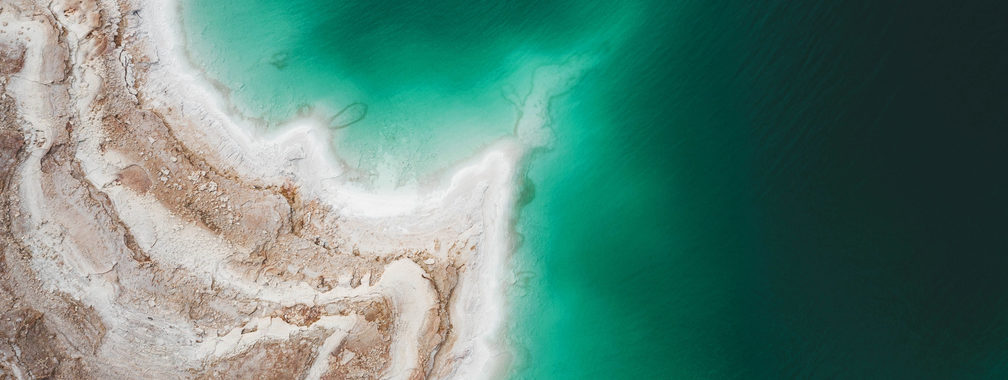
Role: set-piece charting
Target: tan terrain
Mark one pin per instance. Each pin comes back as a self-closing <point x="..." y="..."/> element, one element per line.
<point x="144" y="236"/>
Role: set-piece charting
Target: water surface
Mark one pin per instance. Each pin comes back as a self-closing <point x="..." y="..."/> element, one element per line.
<point x="736" y="190"/>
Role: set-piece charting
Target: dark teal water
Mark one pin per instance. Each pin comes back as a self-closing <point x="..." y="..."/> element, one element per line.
<point x="737" y="190"/>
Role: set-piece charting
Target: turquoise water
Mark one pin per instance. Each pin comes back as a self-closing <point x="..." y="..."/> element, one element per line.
<point x="436" y="81"/>
<point x="736" y="190"/>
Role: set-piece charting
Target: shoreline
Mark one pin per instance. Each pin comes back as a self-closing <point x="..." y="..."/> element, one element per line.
<point x="175" y="229"/>
<point x="530" y="134"/>
<point x="485" y="287"/>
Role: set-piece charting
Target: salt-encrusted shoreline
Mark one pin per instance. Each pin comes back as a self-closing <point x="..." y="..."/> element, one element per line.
<point x="149" y="232"/>
<point x="477" y="314"/>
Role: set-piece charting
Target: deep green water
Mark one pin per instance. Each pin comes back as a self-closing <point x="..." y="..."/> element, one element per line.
<point x="736" y="190"/>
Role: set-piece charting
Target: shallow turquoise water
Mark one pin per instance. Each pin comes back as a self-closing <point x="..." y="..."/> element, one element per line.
<point x="435" y="78"/>
<point x="736" y="190"/>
